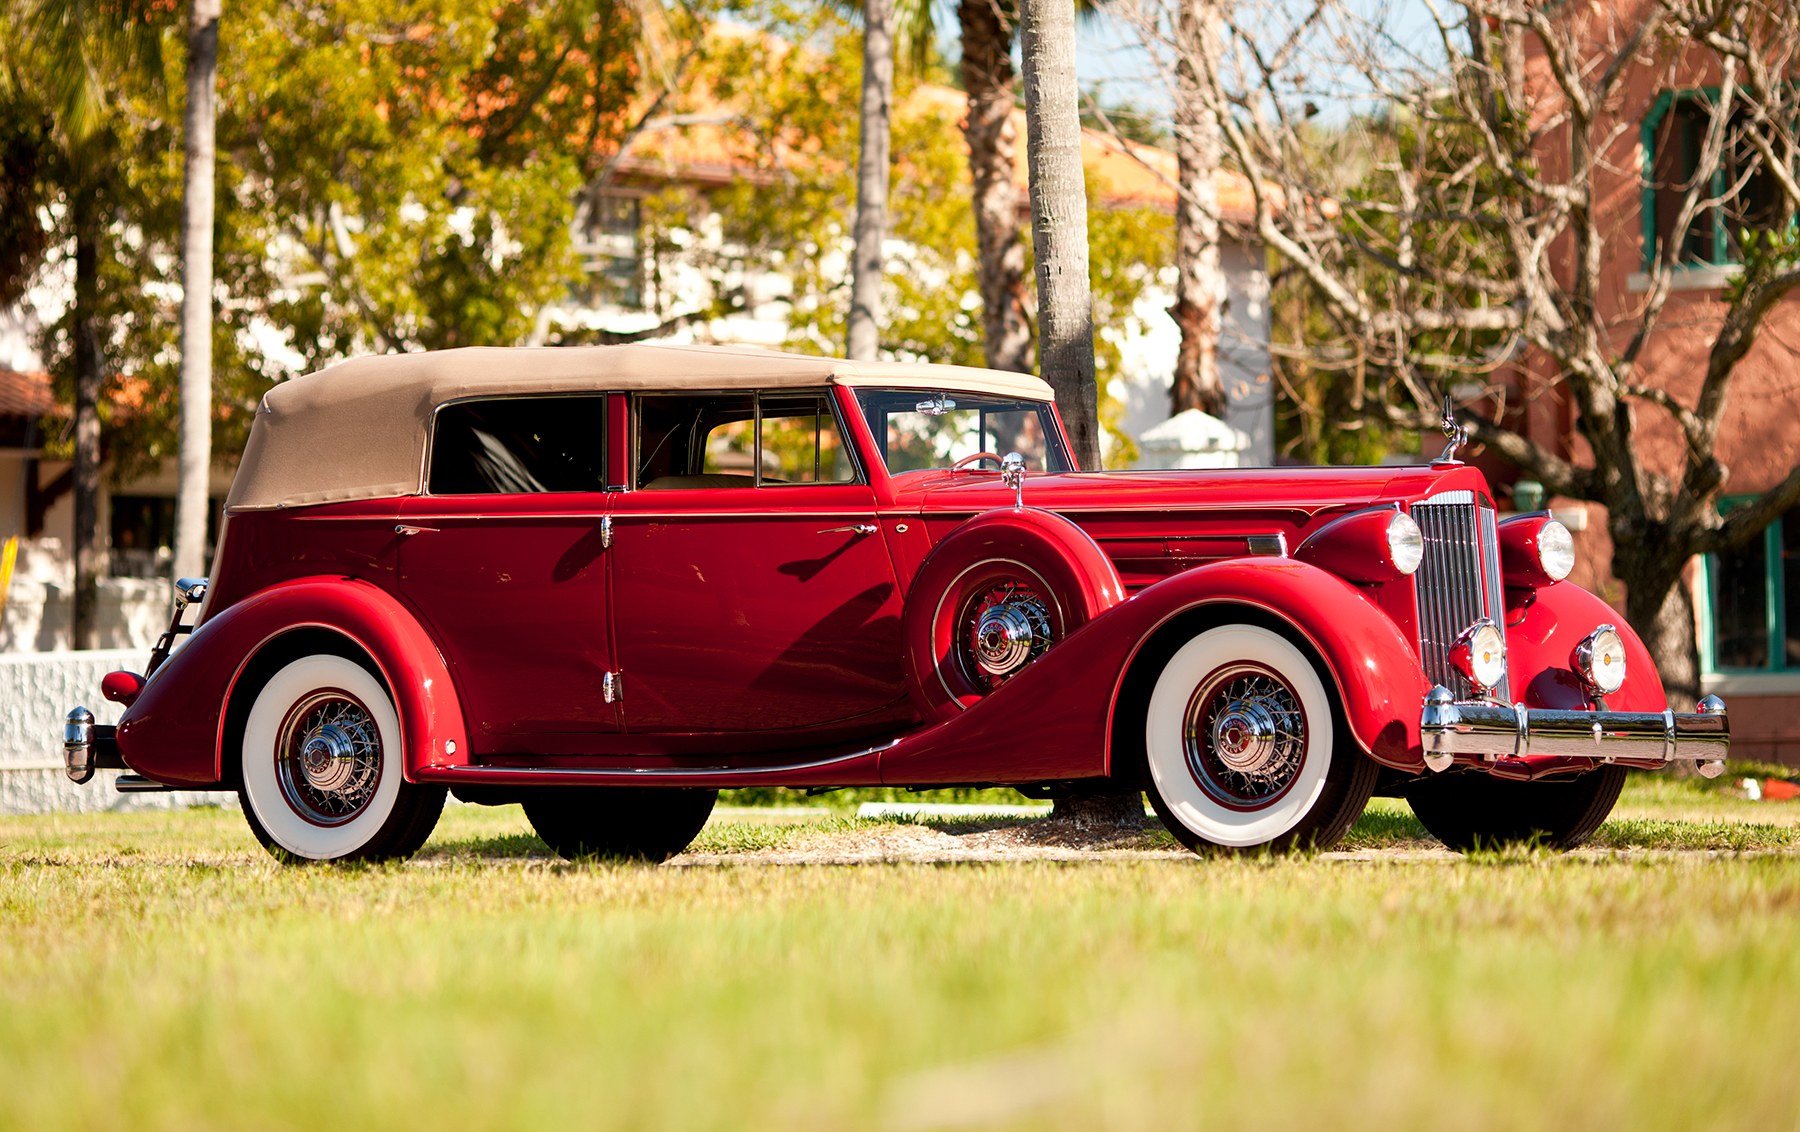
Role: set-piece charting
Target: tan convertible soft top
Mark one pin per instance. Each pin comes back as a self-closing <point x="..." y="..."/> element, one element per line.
<point x="357" y="430"/>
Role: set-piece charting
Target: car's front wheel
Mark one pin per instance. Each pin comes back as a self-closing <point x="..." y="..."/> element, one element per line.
<point x="321" y="773"/>
<point x="634" y="823"/>
<point x="1245" y="749"/>
<point x="1471" y="810"/>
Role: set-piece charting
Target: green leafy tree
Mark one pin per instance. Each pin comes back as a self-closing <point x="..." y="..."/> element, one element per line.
<point x="67" y="75"/>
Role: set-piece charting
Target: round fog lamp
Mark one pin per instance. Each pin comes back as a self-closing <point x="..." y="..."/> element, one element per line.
<point x="1480" y="655"/>
<point x="1556" y="550"/>
<point x="1406" y="543"/>
<point x="1600" y="660"/>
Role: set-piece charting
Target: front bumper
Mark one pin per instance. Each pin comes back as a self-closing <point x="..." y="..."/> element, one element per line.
<point x="1551" y="740"/>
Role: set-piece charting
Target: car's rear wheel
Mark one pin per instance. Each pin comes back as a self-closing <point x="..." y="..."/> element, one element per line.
<point x="633" y="823"/>
<point x="1245" y="748"/>
<point x="1471" y="810"/>
<point x="321" y="775"/>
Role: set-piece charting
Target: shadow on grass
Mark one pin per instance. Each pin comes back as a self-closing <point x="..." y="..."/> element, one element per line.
<point x="510" y="846"/>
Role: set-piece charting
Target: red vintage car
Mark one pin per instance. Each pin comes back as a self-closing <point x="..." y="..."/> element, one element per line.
<point x="607" y="582"/>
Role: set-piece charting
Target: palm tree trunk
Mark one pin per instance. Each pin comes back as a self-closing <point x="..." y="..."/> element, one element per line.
<point x="1059" y="220"/>
<point x="1065" y="305"/>
<point x="864" y="330"/>
<point x="85" y="317"/>
<point x="1200" y="282"/>
<point x="195" y="462"/>
<point x="987" y="73"/>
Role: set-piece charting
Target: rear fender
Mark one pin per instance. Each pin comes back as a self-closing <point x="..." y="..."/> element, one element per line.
<point x="177" y="730"/>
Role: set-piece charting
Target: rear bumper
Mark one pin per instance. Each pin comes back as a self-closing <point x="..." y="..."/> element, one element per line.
<point x="1458" y="731"/>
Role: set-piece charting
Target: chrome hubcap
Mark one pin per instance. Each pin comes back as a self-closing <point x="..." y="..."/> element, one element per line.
<point x="1006" y="634"/>
<point x="1245" y="735"/>
<point x="328" y="758"/>
<point x="1011" y="627"/>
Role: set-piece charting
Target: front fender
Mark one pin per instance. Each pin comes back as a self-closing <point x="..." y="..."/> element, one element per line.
<point x="1544" y="625"/>
<point x="1380" y="682"/>
<point x="175" y="731"/>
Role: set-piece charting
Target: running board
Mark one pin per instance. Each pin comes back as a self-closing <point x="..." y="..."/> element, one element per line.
<point x="138" y="784"/>
<point x="857" y="769"/>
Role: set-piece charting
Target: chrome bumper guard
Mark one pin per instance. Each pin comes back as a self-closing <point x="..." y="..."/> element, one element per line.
<point x="78" y="745"/>
<point x="89" y="746"/>
<point x="1450" y="729"/>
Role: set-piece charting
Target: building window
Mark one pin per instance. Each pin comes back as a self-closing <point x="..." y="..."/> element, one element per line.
<point x="611" y="251"/>
<point x="143" y="534"/>
<point x="1753" y="602"/>
<point x="1674" y="140"/>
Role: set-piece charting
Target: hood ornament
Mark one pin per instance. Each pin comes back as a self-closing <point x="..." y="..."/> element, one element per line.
<point x="1458" y="435"/>
<point x="1012" y="474"/>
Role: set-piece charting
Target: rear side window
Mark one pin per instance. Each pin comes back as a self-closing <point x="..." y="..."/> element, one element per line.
<point x="520" y="445"/>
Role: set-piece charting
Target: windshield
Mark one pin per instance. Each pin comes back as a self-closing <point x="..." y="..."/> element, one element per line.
<point x="918" y="428"/>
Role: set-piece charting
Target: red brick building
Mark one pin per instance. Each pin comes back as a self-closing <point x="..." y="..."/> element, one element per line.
<point x="1747" y="602"/>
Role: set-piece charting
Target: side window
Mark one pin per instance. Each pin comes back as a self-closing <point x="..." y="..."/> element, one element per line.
<point x="519" y="445"/>
<point x="712" y="440"/>
<point x="801" y="442"/>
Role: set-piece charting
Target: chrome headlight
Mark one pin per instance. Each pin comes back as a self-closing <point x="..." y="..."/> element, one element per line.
<point x="1480" y="655"/>
<point x="1556" y="550"/>
<point x="1406" y="543"/>
<point x="1600" y="661"/>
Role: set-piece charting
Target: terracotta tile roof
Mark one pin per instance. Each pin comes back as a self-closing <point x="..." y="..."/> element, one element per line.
<point x="703" y="146"/>
<point x="25" y="394"/>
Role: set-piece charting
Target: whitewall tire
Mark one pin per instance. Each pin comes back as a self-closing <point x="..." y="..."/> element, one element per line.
<point x="1245" y="747"/>
<point x="322" y="774"/>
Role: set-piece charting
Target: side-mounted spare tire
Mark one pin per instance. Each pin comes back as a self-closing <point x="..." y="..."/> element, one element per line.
<point x="993" y="596"/>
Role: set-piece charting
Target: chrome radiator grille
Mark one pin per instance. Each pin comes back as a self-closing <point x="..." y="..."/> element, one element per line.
<point x="1458" y="583"/>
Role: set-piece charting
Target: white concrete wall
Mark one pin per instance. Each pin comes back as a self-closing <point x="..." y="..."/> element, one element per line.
<point x="132" y="612"/>
<point x="1149" y="358"/>
<point x="36" y="693"/>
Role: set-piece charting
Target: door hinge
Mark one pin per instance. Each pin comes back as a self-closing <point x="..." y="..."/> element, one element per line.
<point x="609" y="688"/>
<point x="606" y="532"/>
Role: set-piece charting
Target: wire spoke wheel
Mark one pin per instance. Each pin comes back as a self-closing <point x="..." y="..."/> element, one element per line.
<point x="1246" y="749"/>
<point x="328" y="757"/>
<point x="321" y="771"/>
<point x="1245" y="735"/>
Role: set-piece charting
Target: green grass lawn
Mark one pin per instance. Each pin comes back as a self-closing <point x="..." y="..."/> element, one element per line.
<point x="157" y="970"/>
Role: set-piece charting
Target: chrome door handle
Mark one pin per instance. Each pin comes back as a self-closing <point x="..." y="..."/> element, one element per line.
<point x="403" y="529"/>
<point x="852" y="529"/>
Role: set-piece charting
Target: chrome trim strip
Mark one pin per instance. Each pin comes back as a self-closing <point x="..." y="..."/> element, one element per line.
<point x="648" y="772"/>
